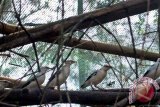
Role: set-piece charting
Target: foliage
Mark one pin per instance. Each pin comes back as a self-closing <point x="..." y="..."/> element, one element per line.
<point x="46" y="11"/>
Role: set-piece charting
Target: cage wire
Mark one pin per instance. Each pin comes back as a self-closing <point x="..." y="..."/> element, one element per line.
<point x="40" y="12"/>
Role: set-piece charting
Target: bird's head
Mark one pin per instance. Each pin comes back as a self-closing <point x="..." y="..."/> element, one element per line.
<point x="70" y="62"/>
<point x="107" y="67"/>
<point x="45" y="69"/>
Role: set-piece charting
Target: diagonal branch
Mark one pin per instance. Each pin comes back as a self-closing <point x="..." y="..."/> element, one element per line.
<point x="78" y="97"/>
<point x="104" y="15"/>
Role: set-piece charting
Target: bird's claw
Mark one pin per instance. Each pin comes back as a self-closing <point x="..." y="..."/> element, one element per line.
<point x="102" y="89"/>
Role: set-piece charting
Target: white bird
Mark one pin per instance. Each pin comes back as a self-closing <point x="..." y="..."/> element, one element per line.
<point x="154" y="71"/>
<point x="40" y="76"/>
<point x="62" y="74"/>
<point x="96" y="77"/>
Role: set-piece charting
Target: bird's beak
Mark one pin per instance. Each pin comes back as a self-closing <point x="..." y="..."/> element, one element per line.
<point x="75" y="62"/>
<point x="108" y="66"/>
<point x="49" y="68"/>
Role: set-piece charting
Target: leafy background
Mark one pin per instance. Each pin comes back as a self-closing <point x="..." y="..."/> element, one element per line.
<point x="37" y="12"/>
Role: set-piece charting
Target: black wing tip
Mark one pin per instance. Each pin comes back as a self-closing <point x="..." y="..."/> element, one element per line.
<point x="146" y="73"/>
<point x="24" y="85"/>
<point x="93" y="74"/>
<point x="83" y="86"/>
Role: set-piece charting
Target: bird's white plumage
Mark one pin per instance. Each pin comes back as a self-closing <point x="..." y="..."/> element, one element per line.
<point x="154" y="71"/>
<point x="96" y="77"/>
<point x="40" y="76"/>
<point x="63" y="74"/>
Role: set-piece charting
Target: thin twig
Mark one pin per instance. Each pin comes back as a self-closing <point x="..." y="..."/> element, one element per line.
<point x="133" y="43"/>
<point x="103" y="57"/>
<point x="28" y="34"/>
<point x="58" y="68"/>
<point x="116" y="41"/>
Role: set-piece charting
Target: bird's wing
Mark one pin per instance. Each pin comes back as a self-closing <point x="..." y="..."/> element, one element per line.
<point x="55" y="74"/>
<point x="32" y="78"/>
<point x="61" y="70"/>
<point x="149" y="70"/>
<point x="146" y="72"/>
<point x="58" y="72"/>
<point x="93" y="74"/>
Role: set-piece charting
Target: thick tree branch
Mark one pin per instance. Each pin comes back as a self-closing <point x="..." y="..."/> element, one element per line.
<point x="109" y="14"/>
<point x="8" y="28"/>
<point x="14" y="82"/>
<point x="51" y="30"/>
<point x="102" y="47"/>
<point x="110" y="48"/>
<point x="33" y="97"/>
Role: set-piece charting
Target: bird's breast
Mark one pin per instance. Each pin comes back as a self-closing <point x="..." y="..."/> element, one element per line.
<point x="61" y="78"/>
<point x="98" y="78"/>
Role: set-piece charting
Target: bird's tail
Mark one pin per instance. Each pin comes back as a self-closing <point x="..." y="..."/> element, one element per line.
<point x="84" y="85"/>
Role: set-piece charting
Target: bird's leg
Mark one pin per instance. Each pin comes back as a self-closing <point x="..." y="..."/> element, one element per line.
<point x="99" y="88"/>
<point x="92" y="87"/>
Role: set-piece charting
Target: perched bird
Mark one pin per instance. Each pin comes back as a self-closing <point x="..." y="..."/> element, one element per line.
<point x="62" y="75"/>
<point x="40" y="76"/>
<point x="154" y="71"/>
<point x="96" y="77"/>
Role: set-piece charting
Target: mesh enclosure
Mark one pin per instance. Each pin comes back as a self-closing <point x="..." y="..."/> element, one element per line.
<point x="36" y="13"/>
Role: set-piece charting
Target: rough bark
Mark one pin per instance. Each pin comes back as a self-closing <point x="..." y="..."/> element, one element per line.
<point x="109" y="48"/>
<point x="14" y="82"/>
<point x="8" y="28"/>
<point x="97" y="97"/>
<point x="51" y="30"/>
<point x="33" y="97"/>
